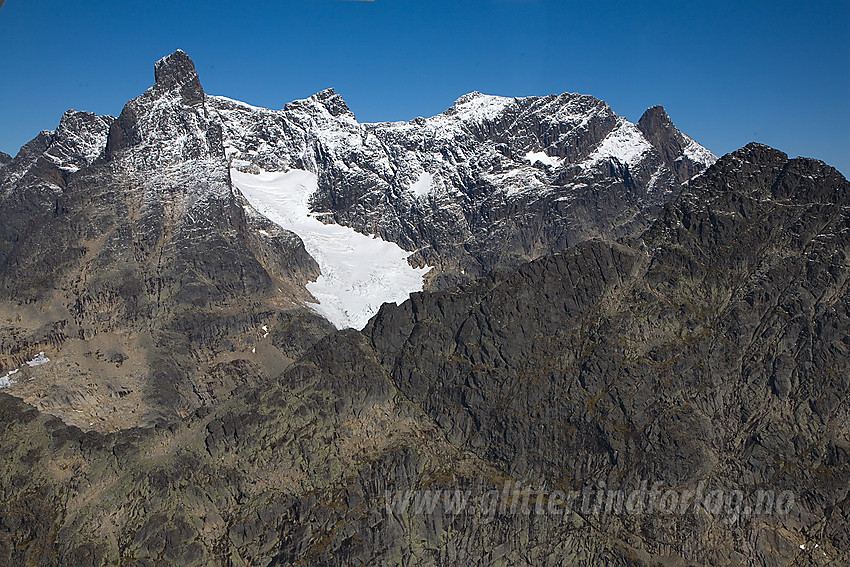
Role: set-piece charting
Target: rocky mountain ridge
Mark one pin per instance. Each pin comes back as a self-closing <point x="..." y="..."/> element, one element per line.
<point x="130" y="257"/>
<point x="488" y="184"/>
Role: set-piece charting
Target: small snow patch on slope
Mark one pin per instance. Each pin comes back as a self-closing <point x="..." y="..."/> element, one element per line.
<point x="423" y="185"/>
<point x="359" y="272"/>
<point x="38" y="360"/>
<point x="7" y="380"/>
<point x="543" y="158"/>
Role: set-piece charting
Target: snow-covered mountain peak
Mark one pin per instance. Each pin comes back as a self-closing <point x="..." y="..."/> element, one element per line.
<point x="625" y="144"/>
<point x="169" y="122"/>
<point x="325" y="103"/>
<point x="476" y="106"/>
<point x="79" y="139"/>
<point x="333" y="102"/>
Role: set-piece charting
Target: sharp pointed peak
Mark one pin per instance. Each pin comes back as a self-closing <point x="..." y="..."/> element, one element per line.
<point x="177" y="65"/>
<point x="332" y="101"/>
<point x="177" y="70"/>
<point x="655" y="113"/>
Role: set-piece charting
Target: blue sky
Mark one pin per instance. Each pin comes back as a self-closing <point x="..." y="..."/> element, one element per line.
<point x="727" y="72"/>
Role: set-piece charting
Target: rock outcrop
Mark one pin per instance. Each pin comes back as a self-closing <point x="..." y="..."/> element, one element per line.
<point x="682" y="155"/>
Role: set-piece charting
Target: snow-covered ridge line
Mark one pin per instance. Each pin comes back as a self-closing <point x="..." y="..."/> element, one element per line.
<point x="239" y="103"/>
<point x="359" y="272"/>
<point x="697" y="153"/>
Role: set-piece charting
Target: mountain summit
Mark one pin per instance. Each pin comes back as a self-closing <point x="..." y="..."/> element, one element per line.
<point x="178" y="71"/>
<point x="681" y="154"/>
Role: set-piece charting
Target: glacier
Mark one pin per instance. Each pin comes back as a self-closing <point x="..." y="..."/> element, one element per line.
<point x="359" y="273"/>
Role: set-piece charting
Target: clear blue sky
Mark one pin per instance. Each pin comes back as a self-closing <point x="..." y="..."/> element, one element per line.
<point x="727" y="72"/>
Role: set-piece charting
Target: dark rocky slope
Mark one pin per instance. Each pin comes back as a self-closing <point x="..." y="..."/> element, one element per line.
<point x="713" y="348"/>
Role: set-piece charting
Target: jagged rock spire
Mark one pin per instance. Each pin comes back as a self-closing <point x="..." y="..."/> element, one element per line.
<point x="177" y="71"/>
<point x="682" y="155"/>
<point x="176" y="82"/>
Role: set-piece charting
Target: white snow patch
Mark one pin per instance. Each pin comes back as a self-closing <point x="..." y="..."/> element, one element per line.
<point x="244" y="105"/>
<point x="423" y="185"/>
<point x="359" y="272"/>
<point x="697" y="153"/>
<point x="543" y="158"/>
<point x="7" y="380"/>
<point x="625" y="143"/>
<point x="38" y="360"/>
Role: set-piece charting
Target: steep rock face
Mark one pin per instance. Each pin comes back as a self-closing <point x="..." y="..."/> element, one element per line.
<point x="32" y="186"/>
<point x="488" y="184"/>
<point x="682" y="155"/>
<point x="169" y="122"/>
<point x="713" y="349"/>
<point x="177" y="72"/>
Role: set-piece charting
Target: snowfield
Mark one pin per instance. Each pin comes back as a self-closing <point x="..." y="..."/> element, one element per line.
<point x="359" y="272"/>
<point x="543" y="158"/>
<point x="625" y="143"/>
